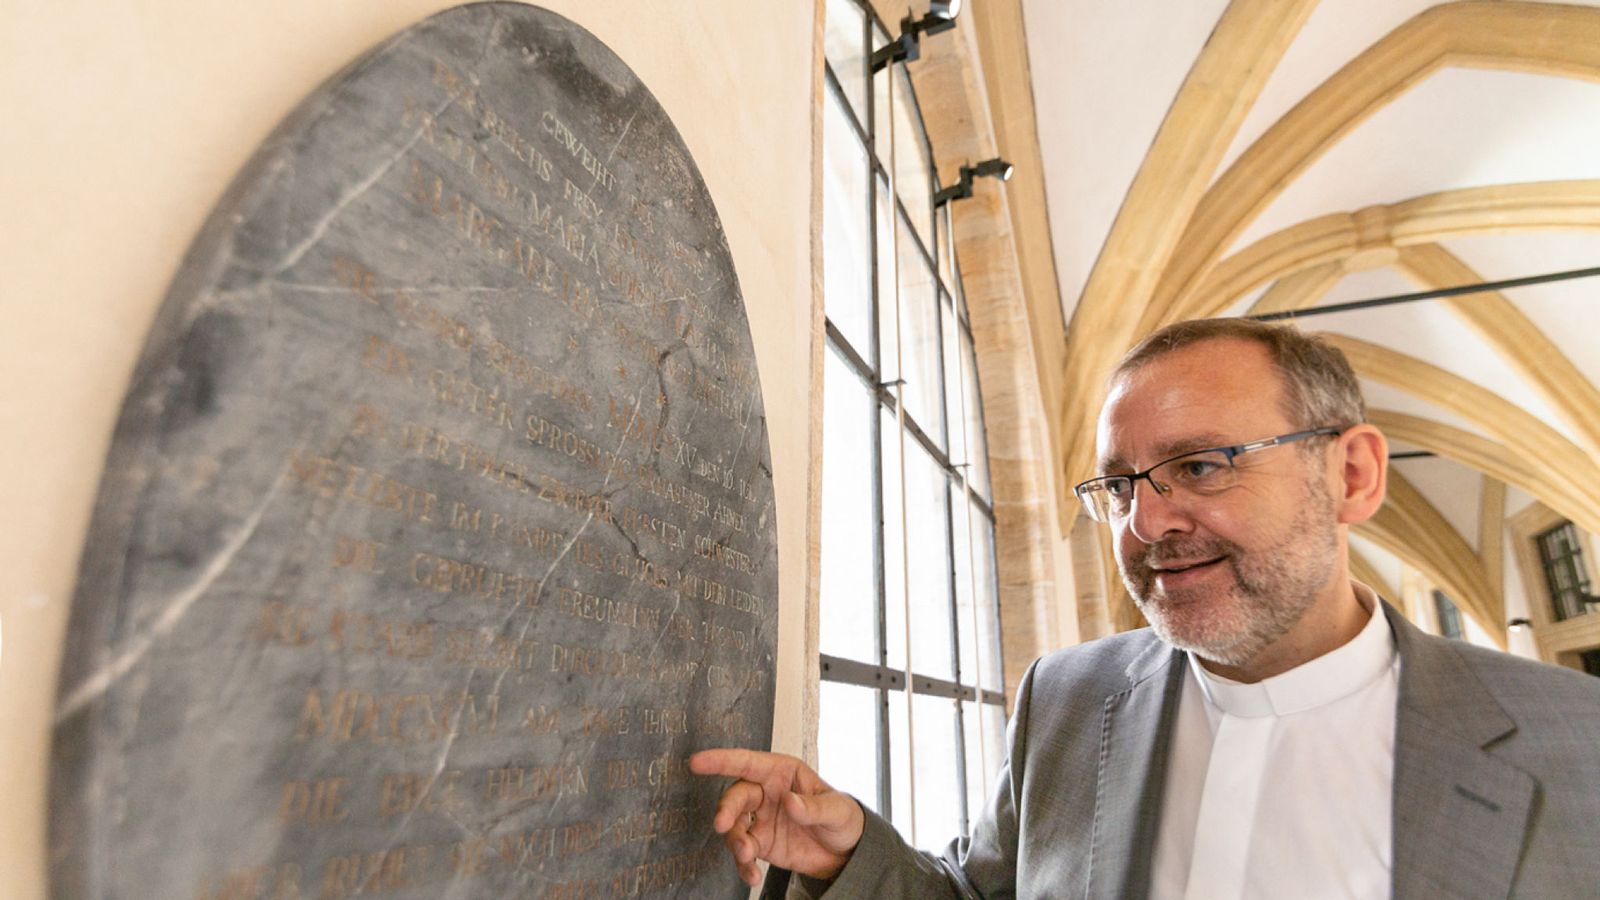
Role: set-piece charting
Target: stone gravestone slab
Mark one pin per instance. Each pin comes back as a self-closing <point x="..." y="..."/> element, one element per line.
<point x="438" y="525"/>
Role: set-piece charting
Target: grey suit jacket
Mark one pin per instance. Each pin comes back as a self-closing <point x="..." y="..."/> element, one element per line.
<point x="1496" y="781"/>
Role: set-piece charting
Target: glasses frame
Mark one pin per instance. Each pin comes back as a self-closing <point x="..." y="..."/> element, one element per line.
<point x="1232" y="451"/>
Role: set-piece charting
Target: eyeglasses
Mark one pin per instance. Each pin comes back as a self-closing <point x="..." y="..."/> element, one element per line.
<point x="1199" y="473"/>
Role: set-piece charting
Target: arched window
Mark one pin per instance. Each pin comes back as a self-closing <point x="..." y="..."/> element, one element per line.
<point x="912" y="696"/>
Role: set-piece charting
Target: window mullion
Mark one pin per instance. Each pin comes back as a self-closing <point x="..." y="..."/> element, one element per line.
<point x="844" y="101"/>
<point x="883" y="372"/>
<point x="972" y="538"/>
<point x="900" y="450"/>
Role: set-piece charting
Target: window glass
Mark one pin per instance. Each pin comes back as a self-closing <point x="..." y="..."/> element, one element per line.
<point x="881" y="129"/>
<point x="913" y="168"/>
<point x="846" y="52"/>
<point x="942" y="254"/>
<point x="938" y="778"/>
<point x="899" y="765"/>
<point x="939" y="783"/>
<point x="983" y="724"/>
<point x="954" y="399"/>
<point x="991" y="677"/>
<point x="846" y="225"/>
<point x="976" y="755"/>
<point x="847" y="740"/>
<point x="1561" y="554"/>
<point x="954" y="284"/>
<point x="919" y="339"/>
<point x="894" y="564"/>
<point x="888" y="268"/>
<point x="1449" y="616"/>
<point x="927" y="524"/>
<point x="977" y="442"/>
<point x="961" y="557"/>
<point x="891" y="294"/>
<point x="847" y="622"/>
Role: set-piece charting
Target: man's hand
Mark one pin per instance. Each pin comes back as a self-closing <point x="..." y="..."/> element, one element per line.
<point x="780" y="811"/>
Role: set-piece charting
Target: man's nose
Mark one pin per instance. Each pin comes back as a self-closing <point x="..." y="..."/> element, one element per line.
<point x="1156" y="514"/>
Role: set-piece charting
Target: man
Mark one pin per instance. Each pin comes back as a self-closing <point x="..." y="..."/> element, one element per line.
<point x="1278" y="731"/>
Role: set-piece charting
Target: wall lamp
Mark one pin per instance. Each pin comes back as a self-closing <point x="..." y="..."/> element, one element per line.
<point x="908" y="46"/>
<point x="1519" y="625"/>
<point x="962" y="189"/>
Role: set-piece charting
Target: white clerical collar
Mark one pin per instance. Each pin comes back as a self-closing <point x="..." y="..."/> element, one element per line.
<point x="1338" y="673"/>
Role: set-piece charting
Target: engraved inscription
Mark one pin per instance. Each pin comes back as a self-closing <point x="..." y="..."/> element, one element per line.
<point x="440" y="528"/>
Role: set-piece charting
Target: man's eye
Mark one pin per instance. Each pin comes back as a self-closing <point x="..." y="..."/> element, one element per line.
<point x="1119" y="488"/>
<point x="1195" y="469"/>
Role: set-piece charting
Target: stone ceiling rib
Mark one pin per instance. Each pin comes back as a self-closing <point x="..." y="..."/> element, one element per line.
<point x="1520" y="432"/>
<point x="1408" y="526"/>
<point x="1537" y="38"/>
<point x="1299" y="290"/>
<point x="1514" y="336"/>
<point x="1368" y="237"/>
<point x="1522" y="387"/>
<point x="1491" y="459"/>
<point x="1219" y="90"/>
<point x="1498" y="321"/>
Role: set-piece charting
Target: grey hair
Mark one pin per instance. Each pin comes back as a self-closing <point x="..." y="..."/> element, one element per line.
<point x="1320" y="389"/>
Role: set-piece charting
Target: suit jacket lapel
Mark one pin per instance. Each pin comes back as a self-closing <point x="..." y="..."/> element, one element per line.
<point x="1460" y="814"/>
<point x="1134" y="737"/>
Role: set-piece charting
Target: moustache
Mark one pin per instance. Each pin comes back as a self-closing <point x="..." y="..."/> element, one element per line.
<point x="1180" y="550"/>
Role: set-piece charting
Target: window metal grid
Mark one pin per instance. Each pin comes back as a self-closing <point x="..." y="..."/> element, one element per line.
<point x="869" y="370"/>
<point x="1449" y="616"/>
<point x="1566" y="576"/>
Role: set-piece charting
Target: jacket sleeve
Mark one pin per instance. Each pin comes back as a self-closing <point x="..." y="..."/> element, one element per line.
<point x="980" y="867"/>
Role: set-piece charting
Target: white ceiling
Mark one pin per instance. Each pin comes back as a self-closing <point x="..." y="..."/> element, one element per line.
<point x="1568" y="313"/>
<point x="1103" y="76"/>
<point x="1336" y="31"/>
<point x="1453" y="489"/>
<point x="1460" y="128"/>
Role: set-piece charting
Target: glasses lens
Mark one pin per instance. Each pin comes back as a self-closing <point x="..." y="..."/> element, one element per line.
<point x="1204" y="473"/>
<point x="1105" y="498"/>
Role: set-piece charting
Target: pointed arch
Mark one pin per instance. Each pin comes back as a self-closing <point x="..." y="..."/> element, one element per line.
<point x="1489" y="458"/>
<point x="1500" y="323"/>
<point x="1514" y="336"/>
<point x="1205" y="115"/>
<point x="1300" y="290"/>
<point x="1369" y="237"/>
<point x="1520" y="431"/>
<point x="1411" y="528"/>
<point x="1537" y="38"/>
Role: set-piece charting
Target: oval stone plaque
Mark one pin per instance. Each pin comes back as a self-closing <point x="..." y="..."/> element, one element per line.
<point x="437" y="529"/>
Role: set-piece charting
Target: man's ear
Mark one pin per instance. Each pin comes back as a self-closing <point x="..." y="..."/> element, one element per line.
<point x="1363" y="459"/>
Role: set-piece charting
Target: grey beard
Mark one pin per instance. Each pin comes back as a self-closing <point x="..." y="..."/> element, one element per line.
<point x="1273" y="586"/>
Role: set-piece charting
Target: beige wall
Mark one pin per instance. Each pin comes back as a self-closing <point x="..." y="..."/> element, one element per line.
<point x="125" y="120"/>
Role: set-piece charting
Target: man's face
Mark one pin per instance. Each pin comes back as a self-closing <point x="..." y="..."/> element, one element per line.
<point x="1222" y="576"/>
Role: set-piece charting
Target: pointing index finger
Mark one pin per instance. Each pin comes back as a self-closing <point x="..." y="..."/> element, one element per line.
<point x="750" y="765"/>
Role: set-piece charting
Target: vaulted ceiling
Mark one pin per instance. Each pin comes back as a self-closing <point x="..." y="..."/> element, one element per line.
<point x="1205" y="157"/>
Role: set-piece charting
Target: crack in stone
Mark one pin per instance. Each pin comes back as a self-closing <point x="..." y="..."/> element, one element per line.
<point x="107" y="675"/>
<point x="614" y="147"/>
<point x="296" y="227"/>
<point x="320" y="228"/>
<point x="444" y="752"/>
